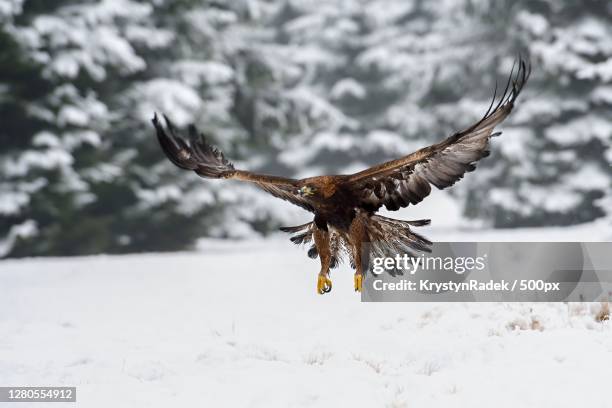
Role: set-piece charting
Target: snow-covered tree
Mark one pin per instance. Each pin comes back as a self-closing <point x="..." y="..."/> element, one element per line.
<point x="554" y="166"/>
<point x="89" y="176"/>
<point x="62" y="173"/>
<point x="292" y="87"/>
<point x="393" y="76"/>
<point x="399" y="75"/>
<point x="226" y="65"/>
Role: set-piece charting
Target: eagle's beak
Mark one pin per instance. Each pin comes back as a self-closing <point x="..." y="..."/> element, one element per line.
<point x="306" y="191"/>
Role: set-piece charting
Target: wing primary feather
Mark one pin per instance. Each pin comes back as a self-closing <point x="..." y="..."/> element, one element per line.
<point x="194" y="153"/>
<point x="408" y="180"/>
<point x="204" y="159"/>
<point x="175" y="149"/>
<point x="492" y="101"/>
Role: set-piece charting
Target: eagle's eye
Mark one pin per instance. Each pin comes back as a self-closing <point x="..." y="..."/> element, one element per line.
<point x="306" y="191"/>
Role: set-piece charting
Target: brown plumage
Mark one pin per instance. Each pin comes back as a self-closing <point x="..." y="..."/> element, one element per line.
<point x="344" y="206"/>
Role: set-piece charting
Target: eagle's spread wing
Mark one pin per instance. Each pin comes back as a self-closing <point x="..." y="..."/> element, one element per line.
<point x="408" y="180"/>
<point x="207" y="161"/>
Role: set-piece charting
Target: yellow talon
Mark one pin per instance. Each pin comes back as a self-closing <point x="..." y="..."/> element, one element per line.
<point x="324" y="284"/>
<point x="358" y="282"/>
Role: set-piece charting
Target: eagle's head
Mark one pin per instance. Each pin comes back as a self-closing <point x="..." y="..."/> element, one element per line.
<point x="307" y="191"/>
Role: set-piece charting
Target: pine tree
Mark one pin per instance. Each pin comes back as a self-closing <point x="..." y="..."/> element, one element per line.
<point x="553" y="166"/>
<point x="62" y="168"/>
<point x="291" y="87"/>
<point x="225" y="58"/>
<point x="21" y="84"/>
<point x="392" y="76"/>
<point x="108" y="66"/>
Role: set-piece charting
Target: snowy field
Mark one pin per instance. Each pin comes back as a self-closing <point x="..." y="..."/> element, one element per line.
<point x="240" y="325"/>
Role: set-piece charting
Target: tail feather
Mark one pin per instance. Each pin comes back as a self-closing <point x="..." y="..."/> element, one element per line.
<point x="312" y="252"/>
<point x="302" y="233"/>
<point x="396" y="234"/>
<point x="386" y="237"/>
<point x="304" y="236"/>
<point x="297" y="228"/>
<point x="418" y="223"/>
<point x="390" y="237"/>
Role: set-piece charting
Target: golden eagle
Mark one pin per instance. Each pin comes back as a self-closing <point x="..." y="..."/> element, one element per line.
<point x="345" y="206"/>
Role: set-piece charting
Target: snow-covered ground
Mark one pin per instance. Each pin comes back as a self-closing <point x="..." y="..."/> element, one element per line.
<point x="239" y="325"/>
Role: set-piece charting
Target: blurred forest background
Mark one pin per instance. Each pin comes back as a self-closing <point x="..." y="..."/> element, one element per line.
<point x="295" y="87"/>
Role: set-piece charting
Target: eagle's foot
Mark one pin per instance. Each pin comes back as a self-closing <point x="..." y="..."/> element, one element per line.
<point x="358" y="282"/>
<point x="324" y="284"/>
